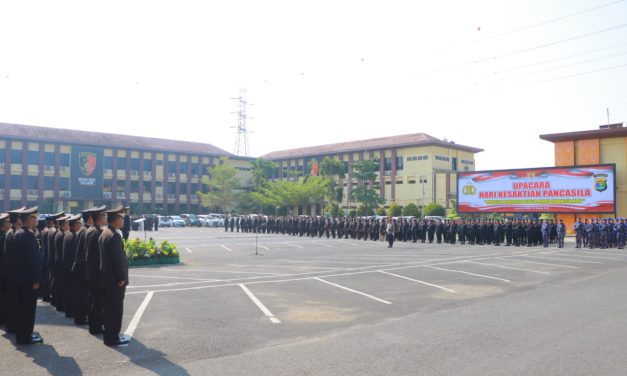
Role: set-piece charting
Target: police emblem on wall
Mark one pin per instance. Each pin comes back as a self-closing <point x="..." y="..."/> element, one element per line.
<point x="87" y="162"/>
<point x="86" y="180"/>
<point x="600" y="182"/>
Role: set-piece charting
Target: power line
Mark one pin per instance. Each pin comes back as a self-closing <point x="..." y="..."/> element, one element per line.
<point x="532" y="26"/>
<point x="551" y="20"/>
<point x="557" y="59"/>
<point x="523" y="50"/>
<point x="562" y="66"/>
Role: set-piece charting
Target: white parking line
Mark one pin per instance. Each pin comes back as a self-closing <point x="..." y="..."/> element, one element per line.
<point x="560" y="253"/>
<point x="259" y="304"/>
<point x="261" y="246"/>
<point x="164" y="277"/>
<point x="468" y="273"/>
<point x="561" y="259"/>
<point x="417" y="281"/>
<point x="353" y="291"/>
<point x="294" y="245"/>
<point x="188" y="250"/>
<point x="507" y="267"/>
<point x="539" y="263"/>
<point x="138" y="315"/>
<point x="227" y="248"/>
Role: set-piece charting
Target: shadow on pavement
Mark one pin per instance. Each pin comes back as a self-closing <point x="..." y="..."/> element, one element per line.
<point x="48" y="358"/>
<point x="150" y="359"/>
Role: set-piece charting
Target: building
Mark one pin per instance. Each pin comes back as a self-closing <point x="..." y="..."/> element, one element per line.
<point x="71" y="170"/>
<point x="608" y="144"/>
<point x="413" y="168"/>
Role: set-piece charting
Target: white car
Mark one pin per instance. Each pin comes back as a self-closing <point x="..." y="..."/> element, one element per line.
<point x="177" y="221"/>
<point x="213" y="221"/>
<point x="165" y="221"/>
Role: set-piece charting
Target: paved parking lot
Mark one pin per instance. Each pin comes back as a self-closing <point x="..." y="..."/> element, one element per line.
<point x="308" y="306"/>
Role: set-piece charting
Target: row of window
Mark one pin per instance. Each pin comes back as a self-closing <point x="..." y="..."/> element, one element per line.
<point x="442" y="158"/>
<point x="467" y="162"/>
<point x="32" y="183"/>
<point x="17" y="157"/>
<point x="418" y="158"/>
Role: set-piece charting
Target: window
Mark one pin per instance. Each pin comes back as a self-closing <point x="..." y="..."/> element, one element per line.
<point x="121" y="163"/>
<point x="183" y="167"/>
<point x="2" y="181"/>
<point x="159" y="162"/>
<point x="48" y="182"/>
<point x="423" y="181"/>
<point x="16" y="182"/>
<point x="195" y="168"/>
<point x="107" y="163"/>
<point x="399" y="182"/>
<point x="147" y="164"/>
<point x="2" y="151"/>
<point x="32" y="182"/>
<point x="388" y="164"/>
<point x="65" y="160"/>
<point x="467" y="162"/>
<point x="171" y="167"/>
<point x="134" y="164"/>
<point x="147" y="187"/>
<point x="158" y="184"/>
<point x="33" y="157"/>
<point x="48" y="158"/>
<point x="120" y="186"/>
<point x="106" y="186"/>
<point x="171" y="188"/>
<point x="454" y="164"/>
<point x="399" y="163"/>
<point x="134" y="186"/>
<point x="64" y="183"/>
<point x="442" y="158"/>
<point x="411" y="182"/>
<point x="16" y="156"/>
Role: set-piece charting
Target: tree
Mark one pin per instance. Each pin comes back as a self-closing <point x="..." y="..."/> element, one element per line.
<point x="281" y="193"/>
<point x="411" y="210"/>
<point x="381" y="211"/>
<point x="334" y="170"/>
<point x="261" y="172"/>
<point x="365" y="211"/>
<point x="364" y="173"/>
<point x="223" y="186"/>
<point x="434" y="209"/>
<point x="394" y="210"/>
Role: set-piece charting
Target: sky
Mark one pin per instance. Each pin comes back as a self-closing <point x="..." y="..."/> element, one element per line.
<point x="493" y="74"/>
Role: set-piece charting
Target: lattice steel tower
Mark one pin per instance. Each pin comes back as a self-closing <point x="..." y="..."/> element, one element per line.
<point x="241" y="142"/>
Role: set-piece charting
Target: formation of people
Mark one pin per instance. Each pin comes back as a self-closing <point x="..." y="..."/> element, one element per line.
<point x="77" y="263"/>
<point x="601" y="233"/>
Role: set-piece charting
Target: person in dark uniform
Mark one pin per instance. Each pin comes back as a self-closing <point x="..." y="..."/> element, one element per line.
<point x="5" y="226"/>
<point x="114" y="276"/>
<point x="126" y="228"/>
<point x="25" y="276"/>
<point x="9" y="252"/>
<point x="70" y="241"/>
<point x="58" y="292"/>
<point x="79" y="270"/>
<point x="70" y="247"/>
<point x="92" y="273"/>
<point x="45" y="254"/>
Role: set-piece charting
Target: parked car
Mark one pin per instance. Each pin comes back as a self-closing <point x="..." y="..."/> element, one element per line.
<point x="165" y="221"/>
<point x="178" y="221"/>
<point x="436" y="218"/>
<point x="191" y="220"/>
<point x="213" y="221"/>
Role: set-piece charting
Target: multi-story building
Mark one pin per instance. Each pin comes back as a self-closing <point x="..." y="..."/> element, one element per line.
<point x="413" y="168"/>
<point x="72" y="170"/>
<point x="608" y="144"/>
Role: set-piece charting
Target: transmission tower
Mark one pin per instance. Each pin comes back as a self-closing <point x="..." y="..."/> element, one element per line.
<point x="241" y="142"/>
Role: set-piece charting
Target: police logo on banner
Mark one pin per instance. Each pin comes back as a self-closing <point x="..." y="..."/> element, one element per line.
<point x="87" y="162"/>
<point x="600" y="182"/>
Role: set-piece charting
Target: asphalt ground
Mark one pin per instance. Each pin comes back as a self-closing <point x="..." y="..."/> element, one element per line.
<point x="317" y="306"/>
